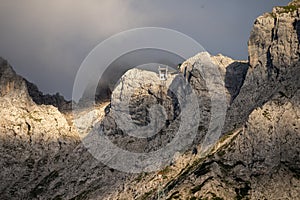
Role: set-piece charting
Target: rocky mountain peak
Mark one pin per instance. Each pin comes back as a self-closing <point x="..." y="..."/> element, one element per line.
<point x="274" y="40"/>
<point x="258" y="156"/>
<point x="11" y="84"/>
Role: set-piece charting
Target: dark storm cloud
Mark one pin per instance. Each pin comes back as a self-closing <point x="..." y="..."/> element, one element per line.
<point x="46" y="41"/>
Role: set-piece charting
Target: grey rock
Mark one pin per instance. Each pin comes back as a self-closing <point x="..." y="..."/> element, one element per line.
<point x="258" y="156"/>
<point x="43" y="156"/>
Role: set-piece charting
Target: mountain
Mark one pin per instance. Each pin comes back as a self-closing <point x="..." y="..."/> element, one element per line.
<point x="45" y="152"/>
<point x="258" y="155"/>
<point x="42" y="156"/>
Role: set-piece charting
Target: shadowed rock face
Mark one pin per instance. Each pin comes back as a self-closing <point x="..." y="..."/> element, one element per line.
<point x="56" y="100"/>
<point x="234" y="73"/>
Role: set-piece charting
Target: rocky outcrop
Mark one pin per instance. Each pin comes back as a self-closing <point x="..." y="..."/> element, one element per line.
<point x="145" y="113"/>
<point x="233" y="73"/>
<point x="11" y="84"/>
<point x="258" y="156"/>
<point x="56" y="100"/>
<point x="274" y="40"/>
<point x="41" y="153"/>
<point x="257" y="161"/>
<point x="14" y="85"/>
<point x="274" y="57"/>
<point x="31" y="136"/>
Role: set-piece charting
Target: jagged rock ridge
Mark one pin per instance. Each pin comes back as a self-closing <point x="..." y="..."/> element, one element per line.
<point x="257" y="158"/>
<point x="41" y="153"/>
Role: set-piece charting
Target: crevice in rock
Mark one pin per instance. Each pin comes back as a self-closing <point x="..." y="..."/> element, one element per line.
<point x="275" y="29"/>
<point x="28" y="128"/>
<point x="296" y="25"/>
<point x="269" y="62"/>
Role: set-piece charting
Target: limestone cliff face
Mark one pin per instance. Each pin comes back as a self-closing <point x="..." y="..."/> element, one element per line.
<point x="41" y="153"/>
<point x="258" y="156"/>
<point x="15" y="86"/>
<point x="257" y="161"/>
<point x="274" y="57"/>
<point x="11" y="84"/>
<point x="274" y="40"/>
<point x="31" y="136"/>
<point x="138" y="95"/>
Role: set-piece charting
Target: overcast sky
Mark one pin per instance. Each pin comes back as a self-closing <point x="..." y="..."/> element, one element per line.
<point x="46" y="41"/>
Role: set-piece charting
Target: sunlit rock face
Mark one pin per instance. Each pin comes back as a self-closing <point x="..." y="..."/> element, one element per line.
<point x="274" y="57"/>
